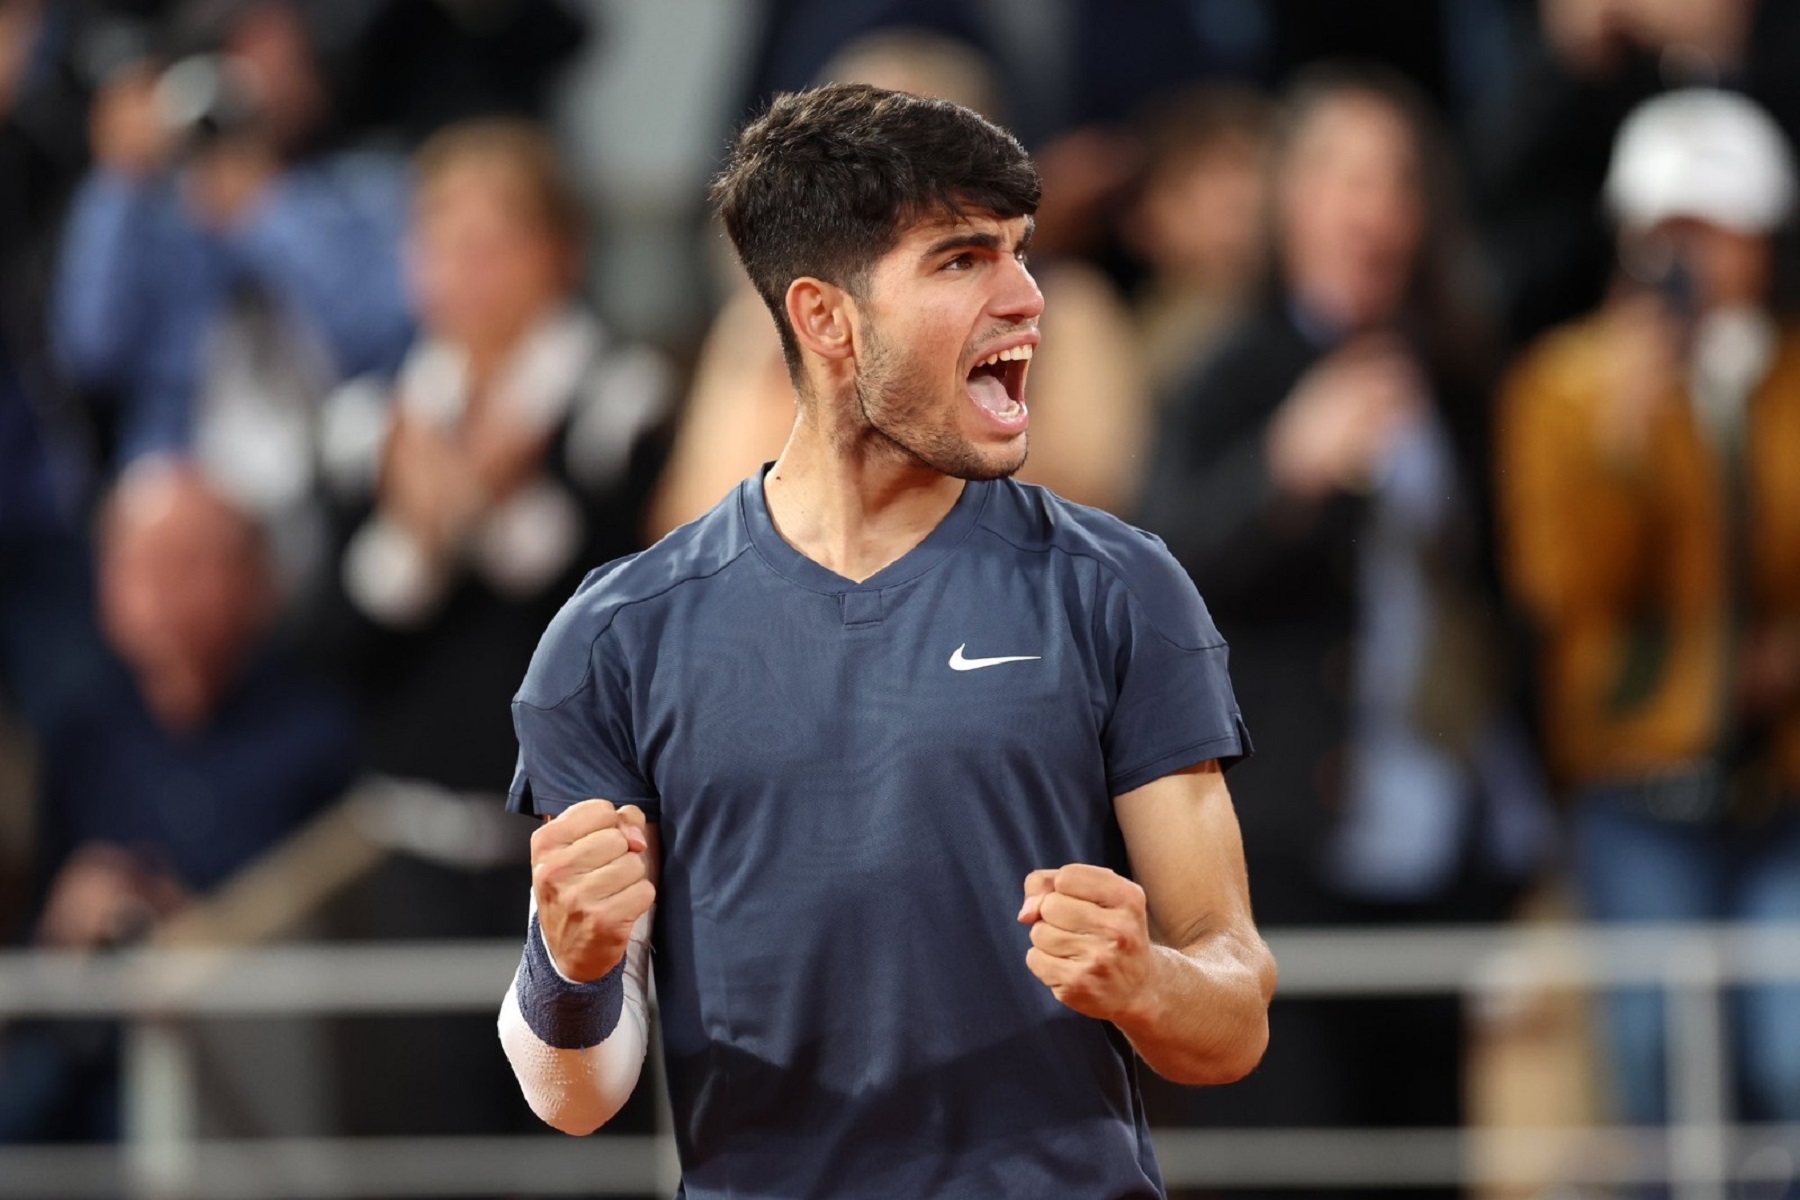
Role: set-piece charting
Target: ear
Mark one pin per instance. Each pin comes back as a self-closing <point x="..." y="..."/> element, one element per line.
<point x="821" y="315"/>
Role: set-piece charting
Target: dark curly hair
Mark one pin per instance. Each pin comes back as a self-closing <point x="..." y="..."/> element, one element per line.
<point x="824" y="182"/>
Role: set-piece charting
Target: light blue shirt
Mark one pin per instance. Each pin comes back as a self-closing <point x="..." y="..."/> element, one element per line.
<point x="140" y="285"/>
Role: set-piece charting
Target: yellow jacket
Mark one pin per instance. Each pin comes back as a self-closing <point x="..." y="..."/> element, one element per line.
<point x="1624" y="565"/>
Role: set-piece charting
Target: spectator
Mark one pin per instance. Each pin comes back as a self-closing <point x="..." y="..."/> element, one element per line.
<point x="1068" y="64"/>
<point x="48" y="643"/>
<point x="1318" y="482"/>
<point x="508" y="457"/>
<point x="216" y="749"/>
<point x="1197" y="224"/>
<point x="512" y="454"/>
<point x="43" y="149"/>
<point x="209" y="215"/>
<point x="50" y="648"/>
<point x="1541" y="160"/>
<point x="1652" y="520"/>
<point x="423" y="65"/>
<point x="202" y="755"/>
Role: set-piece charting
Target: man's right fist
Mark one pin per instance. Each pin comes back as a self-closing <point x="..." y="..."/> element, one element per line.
<point x="590" y="871"/>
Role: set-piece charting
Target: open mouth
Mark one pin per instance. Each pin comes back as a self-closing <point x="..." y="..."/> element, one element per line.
<point x="997" y="384"/>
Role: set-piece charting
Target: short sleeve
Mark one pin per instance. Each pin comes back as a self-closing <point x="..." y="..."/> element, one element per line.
<point x="1174" y="703"/>
<point x="573" y="720"/>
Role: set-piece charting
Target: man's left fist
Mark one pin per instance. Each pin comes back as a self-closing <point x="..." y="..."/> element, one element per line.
<point x="1090" y="938"/>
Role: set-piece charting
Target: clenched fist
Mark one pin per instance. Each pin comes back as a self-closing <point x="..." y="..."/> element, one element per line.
<point x="1090" y="938"/>
<point x="590" y="871"/>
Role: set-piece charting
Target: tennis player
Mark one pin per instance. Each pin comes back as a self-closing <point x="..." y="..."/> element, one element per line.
<point x="910" y="775"/>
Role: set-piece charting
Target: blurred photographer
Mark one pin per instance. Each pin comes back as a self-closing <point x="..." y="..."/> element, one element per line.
<point x="1652" y="520"/>
<point x="216" y="251"/>
<point x="1581" y="66"/>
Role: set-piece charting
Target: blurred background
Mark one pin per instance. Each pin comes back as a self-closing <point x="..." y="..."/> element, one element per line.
<point x="1447" y="343"/>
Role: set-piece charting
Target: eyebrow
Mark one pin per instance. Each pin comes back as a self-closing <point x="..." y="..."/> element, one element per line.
<point x="968" y="239"/>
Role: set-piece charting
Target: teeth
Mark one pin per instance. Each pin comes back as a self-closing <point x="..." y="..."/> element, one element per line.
<point x="1016" y="354"/>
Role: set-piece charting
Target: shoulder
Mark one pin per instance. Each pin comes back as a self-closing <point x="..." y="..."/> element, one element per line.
<point x="626" y="391"/>
<point x="1131" y="566"/>
<point x="698" y="551"/>
<point x="1255" y="365"/>
<point x="301" y="726"/>
<point x="1786" y="364"/>
<point x="367" y="172"/>
<point x="107" y="713"/>
<point x="1568" y="360"/>
<point x="351" y="189"/>
<point x="1265" y="332"/>
<point x="1550" y="395"/>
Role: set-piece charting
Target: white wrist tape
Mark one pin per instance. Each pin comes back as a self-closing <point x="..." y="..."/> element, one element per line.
<point x="579" y="1090"/>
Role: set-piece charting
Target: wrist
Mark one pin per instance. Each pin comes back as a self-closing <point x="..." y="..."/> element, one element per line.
<point x="1141" y="1011"/>
<point x="556" y="966"/>
<point x="559" y="1011"/>
<point x="1293" y="471"/>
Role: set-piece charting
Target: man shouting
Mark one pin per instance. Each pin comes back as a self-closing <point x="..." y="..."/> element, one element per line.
<point x="919" y="769"/>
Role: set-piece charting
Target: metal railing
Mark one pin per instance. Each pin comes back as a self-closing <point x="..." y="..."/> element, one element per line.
<point x="161" y="993"/>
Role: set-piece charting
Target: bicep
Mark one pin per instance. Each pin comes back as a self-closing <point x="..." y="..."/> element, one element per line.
<point x="1187" y="853"/>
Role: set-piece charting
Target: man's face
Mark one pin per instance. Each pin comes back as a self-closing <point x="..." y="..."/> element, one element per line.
<point x="184" y="588"/>
<point x="1726" y="269"/>
<point x="939" y="307"/>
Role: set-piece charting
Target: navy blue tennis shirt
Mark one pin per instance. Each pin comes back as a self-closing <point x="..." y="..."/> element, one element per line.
<point x="852" y="781"/>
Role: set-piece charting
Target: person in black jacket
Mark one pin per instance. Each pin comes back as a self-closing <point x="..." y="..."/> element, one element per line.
<point x="511" y="454"/>
<point x="1321" y="482"/>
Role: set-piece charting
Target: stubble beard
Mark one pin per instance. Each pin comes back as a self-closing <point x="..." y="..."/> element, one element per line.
<point x="899" y="411"/>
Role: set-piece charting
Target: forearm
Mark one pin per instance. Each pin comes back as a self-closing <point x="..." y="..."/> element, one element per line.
<point x="578" y="1088"/>
<point x="1204" y="1016"/>
<point x="98" y="301"/>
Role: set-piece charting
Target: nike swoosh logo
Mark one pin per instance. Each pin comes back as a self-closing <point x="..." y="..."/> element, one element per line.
<point x="959" y="663"/>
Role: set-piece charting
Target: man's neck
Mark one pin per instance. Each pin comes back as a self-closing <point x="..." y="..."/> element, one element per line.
<point x="853" y="504"/>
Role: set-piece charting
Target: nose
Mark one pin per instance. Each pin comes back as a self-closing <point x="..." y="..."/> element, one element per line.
<point x="1018" y="298"/>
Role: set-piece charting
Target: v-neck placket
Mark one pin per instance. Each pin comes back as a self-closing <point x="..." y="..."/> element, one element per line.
<point x="861" y="604"/>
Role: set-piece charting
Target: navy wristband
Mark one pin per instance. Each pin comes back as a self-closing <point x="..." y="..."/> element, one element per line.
<point x="568" y="1016"/>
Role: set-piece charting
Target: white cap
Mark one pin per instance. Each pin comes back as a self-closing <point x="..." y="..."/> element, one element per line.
<point x="1711" y="155"/>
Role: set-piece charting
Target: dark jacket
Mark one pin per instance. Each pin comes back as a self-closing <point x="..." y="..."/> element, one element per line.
<point x="1280" y="576"/>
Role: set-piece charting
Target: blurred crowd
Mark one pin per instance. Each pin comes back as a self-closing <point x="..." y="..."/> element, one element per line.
<point x="1447" y="344"/>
